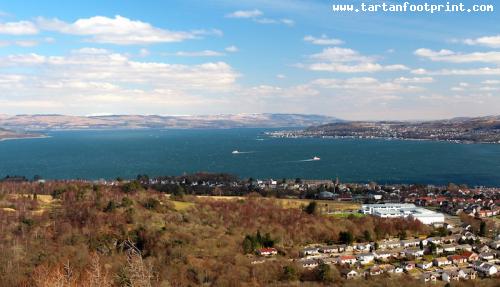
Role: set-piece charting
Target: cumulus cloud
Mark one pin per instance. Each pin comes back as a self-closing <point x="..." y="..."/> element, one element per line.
<point x="486" y="71"/>
<point x="91" y="78"/>
<point x="18" y="28"/>
<point x="489" y="41"/>
<point x="232" y="49"/>
<point x="455" y="57"/>
<point x="323" y="40"/>
<point x="120" y="30"/>
<point x="344" y="60"/>
<point x="204" y="53"/>
<point x="258" y="17"/>
<point x="245" y="14"/>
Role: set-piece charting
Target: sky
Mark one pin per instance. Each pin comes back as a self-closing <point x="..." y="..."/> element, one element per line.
<point x="191" y="57"/>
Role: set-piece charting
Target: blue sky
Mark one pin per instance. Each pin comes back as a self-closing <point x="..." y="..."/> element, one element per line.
<point x="211" y="57"/>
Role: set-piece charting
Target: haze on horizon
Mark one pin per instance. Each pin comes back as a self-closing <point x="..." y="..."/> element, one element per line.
<point x="228" y="57"/>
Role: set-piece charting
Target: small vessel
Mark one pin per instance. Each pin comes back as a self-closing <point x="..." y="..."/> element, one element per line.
<point x="316" y="158"/>
<point x="235" y="152"/>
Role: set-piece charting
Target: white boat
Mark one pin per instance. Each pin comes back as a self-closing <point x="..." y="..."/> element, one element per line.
<point x="235" y="152"/>
<point x="316" y="158"/>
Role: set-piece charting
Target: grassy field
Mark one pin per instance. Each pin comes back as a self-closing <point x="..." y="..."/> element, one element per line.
<point x="45" y="202"/>
<point x="327" y="205"/>
<point x="346" y="214"/>
<point x="324" y="205"/>
<point x="181" y="205"/>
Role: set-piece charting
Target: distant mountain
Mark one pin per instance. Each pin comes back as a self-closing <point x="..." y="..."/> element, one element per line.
<point x="480" y="129"/>
<point x="62" y="122"/>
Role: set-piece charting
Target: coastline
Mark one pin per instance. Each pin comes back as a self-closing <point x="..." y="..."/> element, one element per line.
<point x="24" y="138"/>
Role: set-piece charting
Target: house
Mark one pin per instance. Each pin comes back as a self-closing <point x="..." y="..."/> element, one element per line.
<point x="365" y="258"/>
<point x="424" y="265"/>
<point x="450" y="248"/>
<point x="441" y="261"/>
<point x="346" y="248"/>
<point x="468" y="273"/>
<point x="414" y="252"/>
<point x="309" y="263"/>
<point x="434" y="240"/>
<point x="486" y="256"/>
<point x="449" y="276"/>
<point x="347" y="259"/>
<point x="267" y="251"/>
<point x="398" y="270"/>
<point x="381" y="245"/>
<point x="329" y="249"/>
<point x="485" y="268"/>
<point x="449" y="239"/>
<point x="387" y="268"/>
<point x="463" y="247"/>
<point x="349" y="274"/>
<point x="363" y="246"/>
<point x="374" y="271"/>
<point x="410" y="243"/>
<point x="392" y="244"/>
<point x="483" y="248"/>
<point x="429" y="277"/>
<point x="457" y="259"/>
<point x="382" y="255"/>
<point x="439" y="250"/>
<point x="470" y="256"/>
<point x="495" y="244"/>
<point x="310" y="251"/>
<point x="329" y="260"/>
<point x="410" y="265"/>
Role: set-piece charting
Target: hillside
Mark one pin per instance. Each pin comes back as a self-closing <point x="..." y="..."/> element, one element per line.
<point x="8" y="134"/>
<point x="474" y="130"/>
<point x="62" y="122"/>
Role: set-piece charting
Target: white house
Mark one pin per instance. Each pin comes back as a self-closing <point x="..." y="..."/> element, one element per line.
<point x="365" y="258"/>
<point x="424" y="265"/>
<point x="449" y="276"/>
<point x="486" y="268"/>
<point x="441" y="261"/>
<point x="382" y="255"/>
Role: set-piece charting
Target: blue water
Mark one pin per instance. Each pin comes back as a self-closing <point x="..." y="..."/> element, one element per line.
<point x="109" y="154"/>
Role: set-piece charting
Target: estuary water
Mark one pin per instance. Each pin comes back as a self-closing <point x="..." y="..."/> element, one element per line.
<point x="126" y="153"/>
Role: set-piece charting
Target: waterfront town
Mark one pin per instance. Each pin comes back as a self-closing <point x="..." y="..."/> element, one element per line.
<point x="461" y="240"/>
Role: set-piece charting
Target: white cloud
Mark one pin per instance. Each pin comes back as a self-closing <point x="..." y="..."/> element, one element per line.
<point x="454" y="57"/>
<point x="415" y="80"/>
<point x="280" y="76"/>
<point x="491" y="41"/>
<point x="491" y="82"/>
<point x="245" y="14"/>
<point x="344" y="60"/>
<point x="204" y="53"/>
<point x="232" y="49"/>
<point x="486" y="71"/>
<point x="91" y="79"/>
<point x="144" y="52"/>
<point x="120" y="30"/>
<point x="18" y="28"/>
<point x="258" y="17"/>
<point x="323" y="40"/>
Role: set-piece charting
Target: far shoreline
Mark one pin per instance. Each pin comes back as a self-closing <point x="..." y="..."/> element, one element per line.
<point x="24" y="138"/>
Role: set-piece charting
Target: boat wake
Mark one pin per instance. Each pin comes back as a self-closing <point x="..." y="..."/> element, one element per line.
<point x="241" y="152"/>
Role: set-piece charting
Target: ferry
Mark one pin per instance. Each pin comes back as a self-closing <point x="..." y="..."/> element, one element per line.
<point x="235" y="152"/>
<point x="316" y="158"/>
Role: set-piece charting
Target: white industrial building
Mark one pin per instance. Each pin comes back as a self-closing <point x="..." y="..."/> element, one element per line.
<point x="403" y="210"/>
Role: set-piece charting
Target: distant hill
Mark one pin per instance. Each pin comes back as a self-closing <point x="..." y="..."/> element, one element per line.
<point x="8" y="134"/>
<point x="63" y="122"/>
<point x="480" y="129"/>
